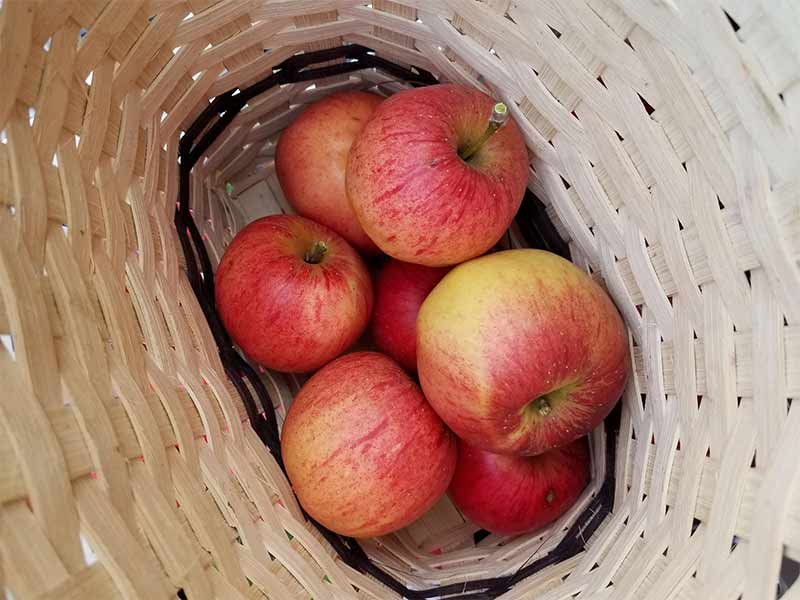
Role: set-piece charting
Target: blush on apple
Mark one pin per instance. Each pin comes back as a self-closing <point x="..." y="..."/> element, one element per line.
<point x="510" y="495"/>
<point x="427" y="184"/>
<point x="520" y="351"/>
<point x="400" y="290"/>
<point x="365" y="453"/>
<point x="292" y="293"/>
<point x="311" y="159"/>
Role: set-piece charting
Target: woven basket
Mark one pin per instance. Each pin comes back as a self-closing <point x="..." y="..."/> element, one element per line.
<point x="135" y="460"/>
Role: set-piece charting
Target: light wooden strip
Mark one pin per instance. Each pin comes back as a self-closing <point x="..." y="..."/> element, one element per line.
<point x="711" y="230"/>
<point x="205" y="519"/>
<point x="769" y="375"/>
<point x="93" y="582"/>
<point x="159" y="29"/>
<point x="48" y="21"/>
<point x="567" y="212"/>
<point x="77" y="217"/>
<point x="259" y="67"/>
<point x="54" y="92"/>
<point x="98" y="433"/>
<point x="386" y="20"/>
<point x="623" y="175"/>
<point x="323" y="31"/>
<point x="694" y="117"/>
<point x="133" y="570"/>
<point x="269" y="469"/>
<point x="15" y="44"/>
<point x="579" y="173"/>
<point x="211" y="19"/>
<point x="260" y="33"/>
<point x="770" y="520"/>
<point x="163" y="86"/>
<point x="94" y="45"/>
<point x="33" y="565"/>
<point x="149" y="316"/>
<point x="24" y="299"/>
<point x="753" y="187"/>
<point x="182" y="109"/>
<point x="96" y="119"/>
<point x="115" y="241"/>
<point x="740" y="76"/>
<point x="283" y="9"/>
<point x="140" y="411"/>
<point x="646" y="278"/>
<point x="261" y="575"/>
<point x="736" y="457"/>
<point x="197" y="392"/>
<point x="675" y="256"/>
<point x="652" y="143"/>
<point x="88" y="363"/>
<point x="28" y="185"/>
<point x="178" y="551"/>
<point x="128" y="140"/>
<point x="41" y="462"/>
<point x="478" y="57"/>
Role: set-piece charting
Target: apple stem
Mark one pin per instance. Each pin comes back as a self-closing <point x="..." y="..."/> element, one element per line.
<point x="551" y="495"/>
<point x="542" y="406"/>
<point x="496" y="121"/>
<point x="316" y="253"/>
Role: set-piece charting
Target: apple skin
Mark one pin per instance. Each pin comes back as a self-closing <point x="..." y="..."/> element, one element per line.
<point x="285" y="313"/>
<point x="413" y="194"/>
<point x="500" y="332"/>
<point x="400" y="290"/>
<point x="311" y="159"/>
<point x="510" y="495"/>
<point x="364" y="451"/>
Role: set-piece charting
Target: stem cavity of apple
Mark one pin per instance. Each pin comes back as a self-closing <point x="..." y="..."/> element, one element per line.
<point x="551" y="495"/>
<point x="542" y="406"/>
<point x="317" y="252"/>
<point x="496" y="121"/>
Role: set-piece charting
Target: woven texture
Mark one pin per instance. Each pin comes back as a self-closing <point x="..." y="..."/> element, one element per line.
<point x="665" y="142"/>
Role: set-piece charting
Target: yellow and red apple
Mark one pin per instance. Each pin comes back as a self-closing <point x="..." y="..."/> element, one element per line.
<point x="520" y="352"/>
<point x="412" y="191"/>
<point x="311" y="159"/>
<point x="365" y="453"/>
<point x="292" y="293"/>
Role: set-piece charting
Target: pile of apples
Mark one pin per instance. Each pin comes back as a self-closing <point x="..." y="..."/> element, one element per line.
<point x="519" y="354"/>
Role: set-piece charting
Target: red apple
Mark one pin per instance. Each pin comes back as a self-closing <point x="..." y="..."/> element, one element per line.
<point x="509" y="495"/>
<point x="415" y="196"/>
<point x="521" y="351"/>
<point x="365" y="453"/>
<point x="311" y="159"/>
<point x="400" y="289"/>
<point x="292" y="293"/>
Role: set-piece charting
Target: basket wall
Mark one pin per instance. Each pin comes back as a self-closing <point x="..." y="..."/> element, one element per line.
<point x="664" y="138"/>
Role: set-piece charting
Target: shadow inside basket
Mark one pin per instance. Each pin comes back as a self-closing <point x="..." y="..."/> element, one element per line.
<point x="442" y="546"/>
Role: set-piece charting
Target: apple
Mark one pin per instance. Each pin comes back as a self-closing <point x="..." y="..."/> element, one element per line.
<point x="365" y="453"/>
<point x="292" y="293"/>
<point x="520" y="351"/>
<point x="509" y="495"/>
<point x="400" y="289"/>
<point x="412" y="191"/>
<point x="311" y="158"/>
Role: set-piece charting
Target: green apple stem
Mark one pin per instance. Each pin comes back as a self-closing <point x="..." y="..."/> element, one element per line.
<point x="316" y="253"/>
<point x="496" y="121"/>
<point x="542" y="406"/>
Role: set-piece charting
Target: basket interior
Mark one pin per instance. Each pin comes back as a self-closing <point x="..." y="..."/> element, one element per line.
<point x="664" y="144"/>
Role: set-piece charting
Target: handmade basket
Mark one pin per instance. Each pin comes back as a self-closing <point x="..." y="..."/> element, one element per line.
<point x="139" y="453"/>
